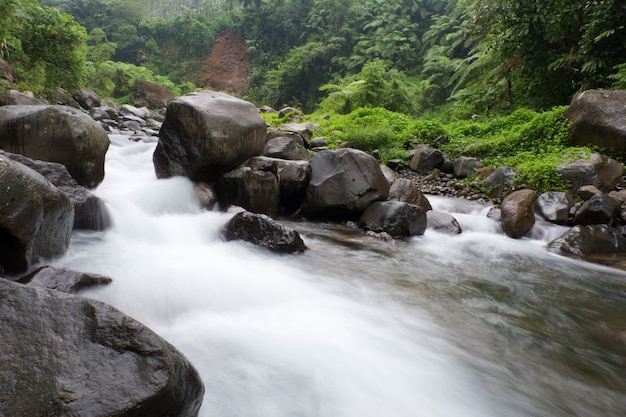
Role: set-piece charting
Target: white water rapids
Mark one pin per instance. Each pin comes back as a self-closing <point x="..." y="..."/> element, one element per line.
<point x="460" y="326"/>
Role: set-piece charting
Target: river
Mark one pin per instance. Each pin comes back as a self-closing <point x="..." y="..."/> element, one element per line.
<point x="471" y="325"/>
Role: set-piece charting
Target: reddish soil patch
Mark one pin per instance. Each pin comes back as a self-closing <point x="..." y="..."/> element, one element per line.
<point x="226" y="68"/>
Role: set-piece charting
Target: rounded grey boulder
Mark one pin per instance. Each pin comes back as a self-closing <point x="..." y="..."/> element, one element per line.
<point x="56" y="134"/>
<point x="66" y="355"/>
<point x="344" y="183"/>
<point x="35" y="217"/>
<point x="207" y="134"/>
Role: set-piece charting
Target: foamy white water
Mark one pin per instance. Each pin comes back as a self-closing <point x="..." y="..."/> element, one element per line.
<point x="268" y="337"/>
<point x="470" y="325"/>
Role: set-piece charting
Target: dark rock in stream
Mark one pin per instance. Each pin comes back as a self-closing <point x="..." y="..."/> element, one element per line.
<point x="90" y="213"/>
<point x="35" y="220"/>
<point x="599" y="209"/>
<point x="286" y="148"/>
<point x="254" y="190"/>
<point x="293" y="179"/>
<point x="442" y="222"/>
<point x="394" y="218"/>
<point x="407" y="191"/>
<point x="62" y="279"/>
<point x="263" y="231"/>
<point x="343" y="183"/>
<point x="555" y="206"/>
<point x="65" y="355"/>
<point x="589" y="240"/>
<point x="518" y="213"/>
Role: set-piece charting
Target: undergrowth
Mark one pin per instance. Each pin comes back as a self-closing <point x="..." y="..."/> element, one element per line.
<point x="535" y="144"/>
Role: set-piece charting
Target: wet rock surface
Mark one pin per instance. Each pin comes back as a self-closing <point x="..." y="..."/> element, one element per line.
<point x="263" y="231"/>
<point x="72" y="356"/>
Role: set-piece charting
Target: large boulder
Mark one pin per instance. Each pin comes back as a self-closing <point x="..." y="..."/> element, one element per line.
<point x="35" y="218"/>
<point x="465" y="165"/>
<point x="407" y="191"/>
<point x="6" y="71"/>
<point x="293" y="179"/>
<point x="598" y="170"/>
<point x="207" y="134"/>
<point x="63" y="279"/>
<point x="150" y="95"/>
<point x="70" y="356"/>
<point x="285" y="148"/>
<point x="12" y="97"/>
<point x="56" y="134"/>
<point x="425" y="159"/>
<point x="518" y="213"/>
<point x="555" y="206"/>
<point x="86" y="98"/>
<point x="599" y="118"/>
<point x="263" y="231"/>
<point x="595" y="239"/>
<point x="500" y="182"/>
<point x="394" y="218"/>
<point x="343" y="183"/>
<point x="599" y="209"/>
<point x="90" y="213"/>
<point x="303" y="131"/>
<point x="255" y="190"/>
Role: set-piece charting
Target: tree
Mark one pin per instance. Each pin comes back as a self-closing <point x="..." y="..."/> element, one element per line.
<point x="55" y="46"/>
<point x="550" y="49"/>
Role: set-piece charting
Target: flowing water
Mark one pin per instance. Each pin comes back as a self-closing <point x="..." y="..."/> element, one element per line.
<point x="470" y="325"/>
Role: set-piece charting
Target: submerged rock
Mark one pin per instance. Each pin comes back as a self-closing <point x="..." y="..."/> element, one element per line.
<point x="442" y="222"/>
<point x="72" y="356"/>
<point x="589" y="240"/>
<point x="63" y="279"/>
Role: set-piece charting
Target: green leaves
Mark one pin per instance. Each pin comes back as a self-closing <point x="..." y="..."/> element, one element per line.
<point x="54" y="44"/>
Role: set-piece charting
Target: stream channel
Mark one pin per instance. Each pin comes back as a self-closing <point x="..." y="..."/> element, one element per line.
<point x="476" y="324"/>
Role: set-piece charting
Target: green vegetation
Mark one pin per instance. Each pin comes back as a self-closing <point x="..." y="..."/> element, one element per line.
<point x="490" y="75"/>
<point x="535" y="143"/>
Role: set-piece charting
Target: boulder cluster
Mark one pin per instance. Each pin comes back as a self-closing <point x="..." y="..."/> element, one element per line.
<point x="67" y="355"/>
<point x="287" y="171"/>
<point x="52" y="155"/>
